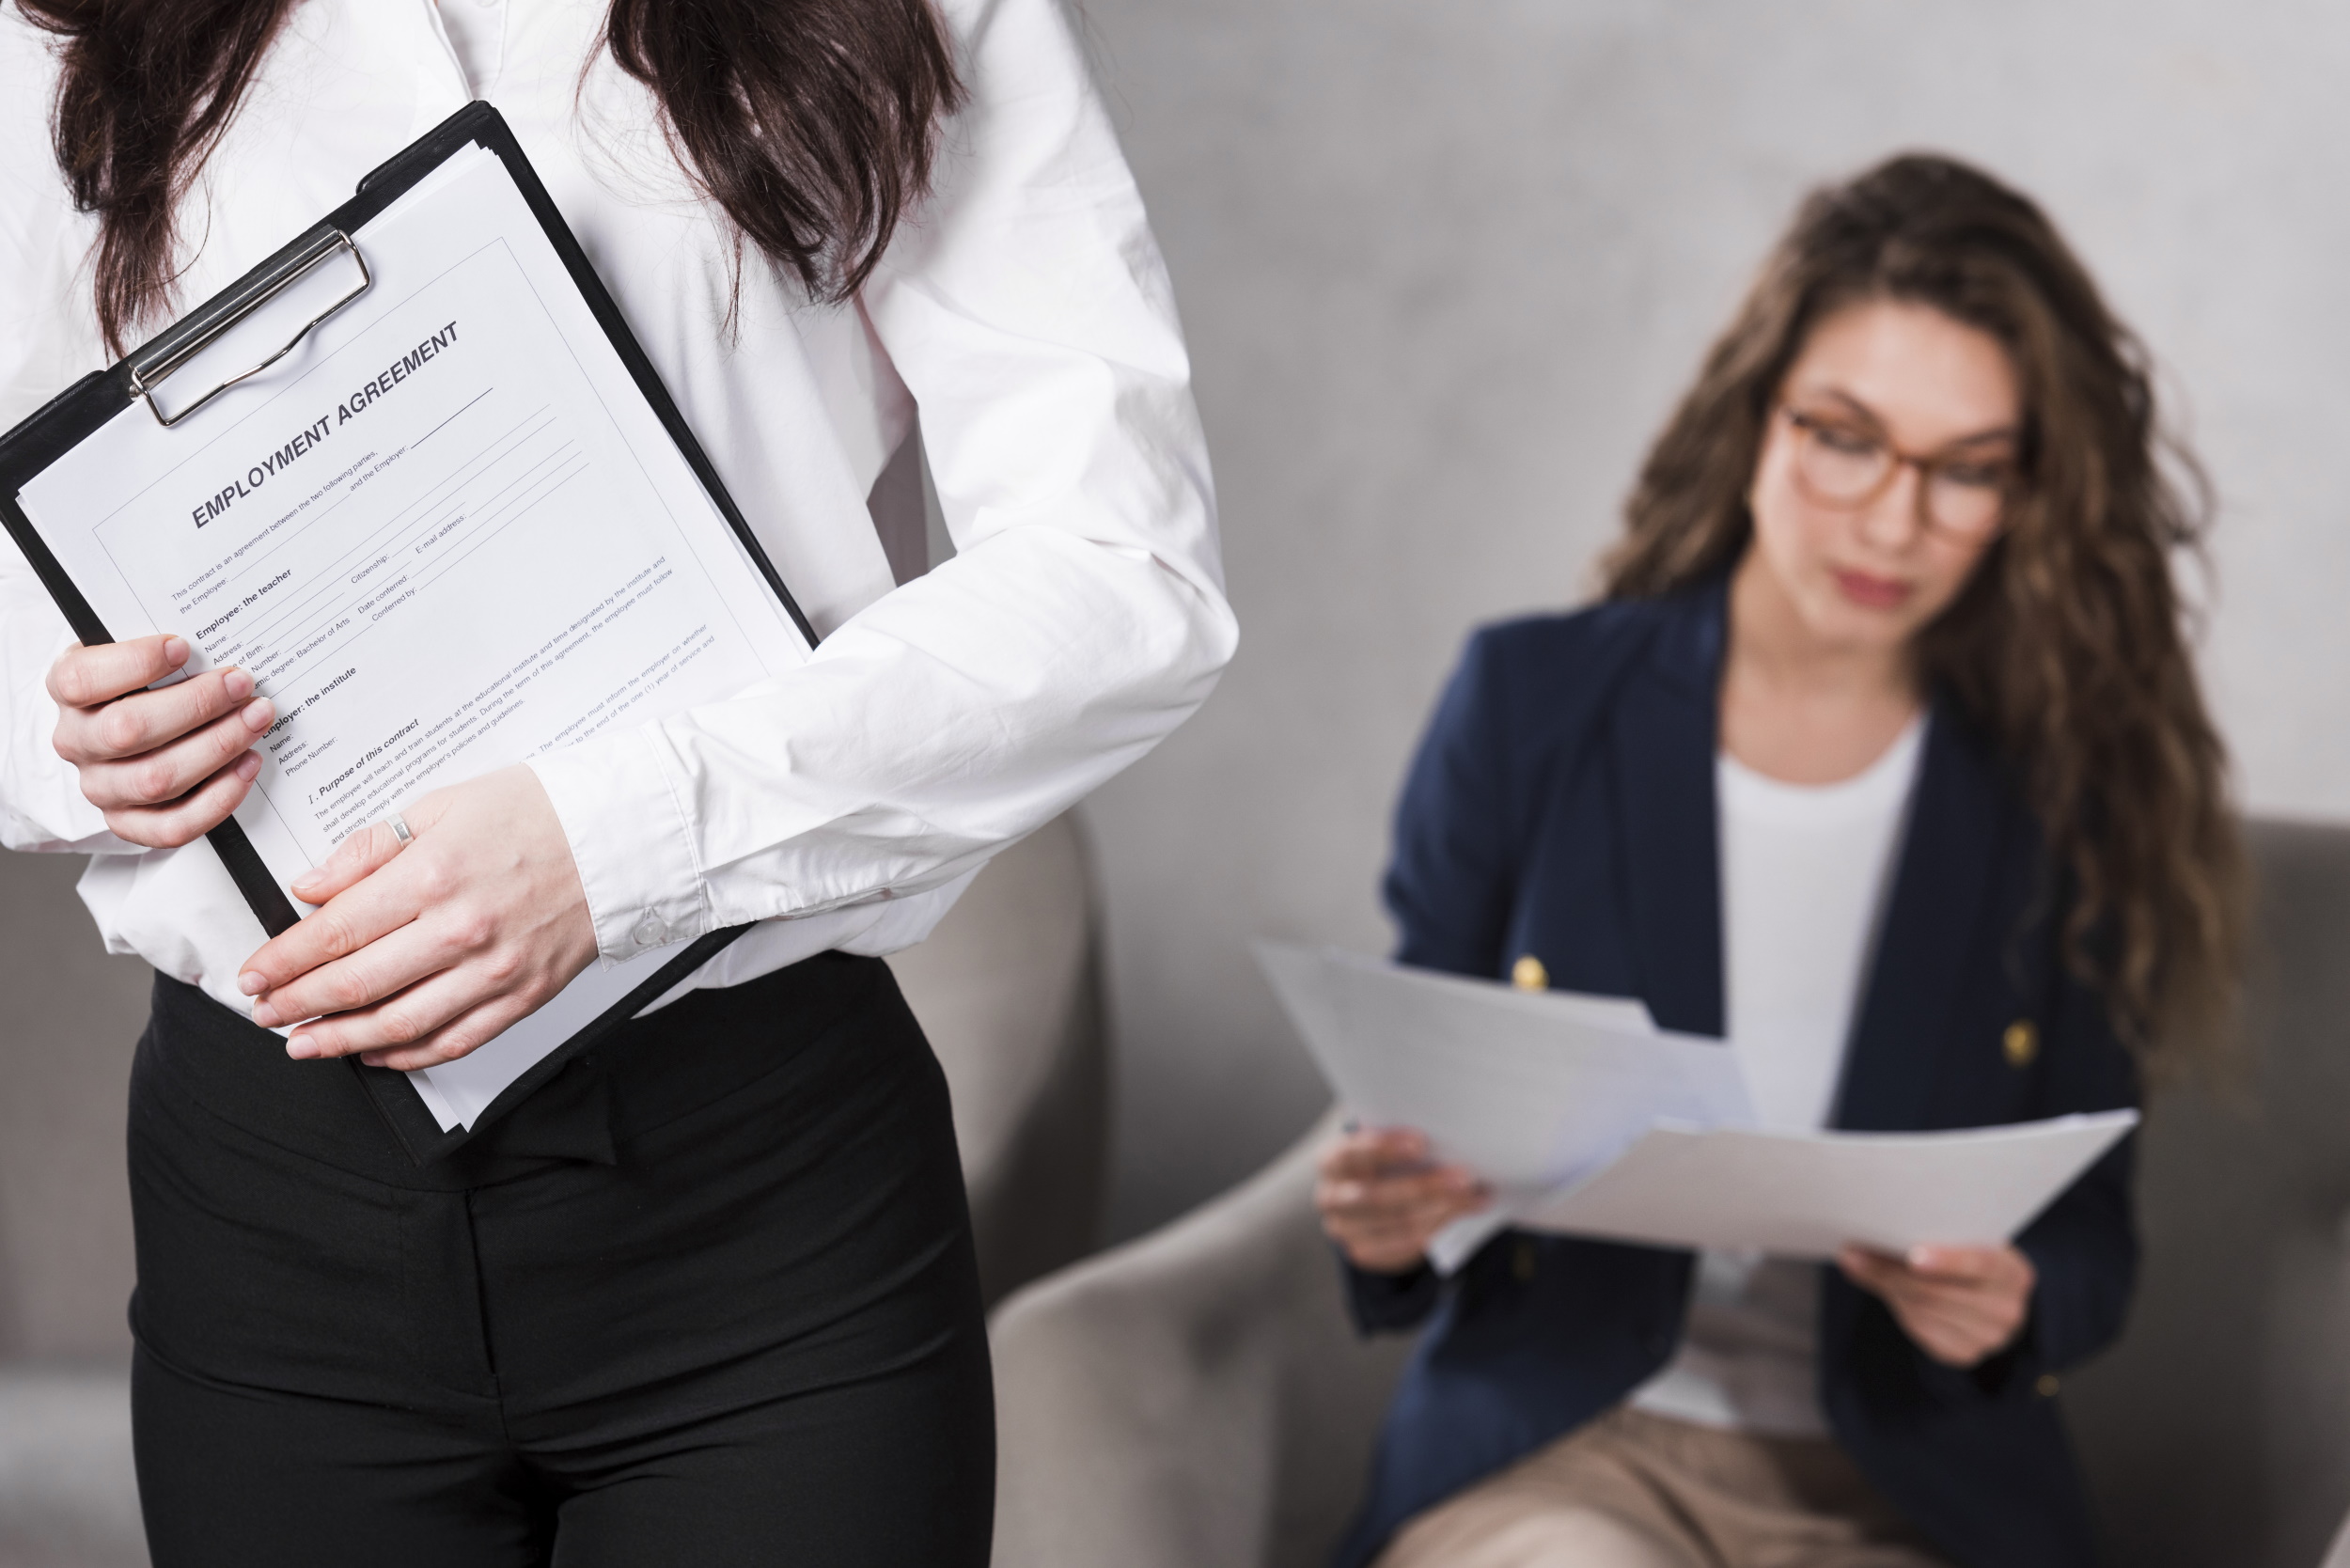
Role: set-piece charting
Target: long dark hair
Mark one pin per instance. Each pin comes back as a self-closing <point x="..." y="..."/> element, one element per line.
<point x="2067" y="643"/>
<point x="812" y="124"/>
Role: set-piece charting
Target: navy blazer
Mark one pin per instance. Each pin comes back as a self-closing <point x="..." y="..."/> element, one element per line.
<point x="1562" y="806"/>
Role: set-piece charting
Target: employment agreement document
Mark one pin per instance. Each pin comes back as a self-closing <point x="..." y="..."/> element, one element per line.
<point x="447" y="534"/>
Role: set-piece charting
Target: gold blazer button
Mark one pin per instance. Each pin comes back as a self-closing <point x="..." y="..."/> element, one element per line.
<point x="1528" y="974"/>
<point x="2021" y="1042"/>
<point x="2047" y="1387"/>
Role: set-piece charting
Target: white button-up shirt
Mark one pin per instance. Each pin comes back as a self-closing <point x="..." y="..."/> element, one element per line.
<point x="1024" y="310"/>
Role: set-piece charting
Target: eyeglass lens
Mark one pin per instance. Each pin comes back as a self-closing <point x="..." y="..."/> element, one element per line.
<point x="1848" y="465"/>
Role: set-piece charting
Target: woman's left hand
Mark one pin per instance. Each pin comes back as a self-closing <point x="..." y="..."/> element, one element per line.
<point x="421" y="953"/>
<point x="1961" y="1304"/>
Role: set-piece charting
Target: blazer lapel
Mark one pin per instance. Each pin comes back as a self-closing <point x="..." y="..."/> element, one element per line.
<point x="1666" y="720"/>
<point x="1949" y="854"/>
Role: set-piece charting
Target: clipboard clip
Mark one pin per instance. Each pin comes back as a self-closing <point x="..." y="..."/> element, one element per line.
<point x="154" y="364"/>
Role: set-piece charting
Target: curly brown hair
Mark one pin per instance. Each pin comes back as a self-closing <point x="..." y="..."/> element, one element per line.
<point x="2066" y="645"/>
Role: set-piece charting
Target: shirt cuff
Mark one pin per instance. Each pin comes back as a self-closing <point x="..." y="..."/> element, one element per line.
<point x="631" y="840"/>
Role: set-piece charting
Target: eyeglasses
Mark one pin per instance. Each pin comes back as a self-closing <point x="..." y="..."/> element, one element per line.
<point x="1842" y="462"/>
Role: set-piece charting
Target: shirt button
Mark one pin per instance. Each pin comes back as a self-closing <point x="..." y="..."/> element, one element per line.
<point x="2047" y="1387"/>
<point x="651" y="930"/>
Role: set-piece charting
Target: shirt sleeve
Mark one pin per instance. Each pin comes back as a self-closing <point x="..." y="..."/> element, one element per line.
<point x="47" y="340"/>
<point x="1082" y="618"/>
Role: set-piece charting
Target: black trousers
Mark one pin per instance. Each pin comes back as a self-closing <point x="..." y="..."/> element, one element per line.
<point x="708" y="1298"/>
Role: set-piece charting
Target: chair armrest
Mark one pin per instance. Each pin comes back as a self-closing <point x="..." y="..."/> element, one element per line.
<point x="1007" y="992"/>
<point x="1195" y="1399"/>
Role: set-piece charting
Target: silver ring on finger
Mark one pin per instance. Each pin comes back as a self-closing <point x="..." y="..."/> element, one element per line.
<point x="400" y="830"/>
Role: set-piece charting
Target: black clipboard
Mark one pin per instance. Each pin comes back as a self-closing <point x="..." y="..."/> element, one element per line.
<point x="68" y="419"/>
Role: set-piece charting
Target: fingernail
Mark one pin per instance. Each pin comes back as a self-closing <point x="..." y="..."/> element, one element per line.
<point x="258" y="712"/>
<point x="1921" y="1257"/>
<point x="265" y="1015"/>
<point x="175" y="652"/>
<point x="238" y="685"/>
<point x="370" y="1059"/>
<point x="301" y="1047"/>
<point x="253" y="983"/>
<point x="248" y="765"/>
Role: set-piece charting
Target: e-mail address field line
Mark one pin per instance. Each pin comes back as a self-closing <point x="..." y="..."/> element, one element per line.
<point x="525" y="507"/>
<point x="254" y="564"/>
<point x="302" y="614"/>
<point x="310" y="657"/>
<point x="327" y="573"/>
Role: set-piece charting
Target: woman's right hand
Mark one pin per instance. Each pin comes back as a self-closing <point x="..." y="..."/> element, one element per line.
<point x="1382" y="1202"/>
<point x="168" y="767"/>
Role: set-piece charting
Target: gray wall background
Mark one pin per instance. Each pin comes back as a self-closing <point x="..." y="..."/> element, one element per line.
<point x="1444" y="267"/>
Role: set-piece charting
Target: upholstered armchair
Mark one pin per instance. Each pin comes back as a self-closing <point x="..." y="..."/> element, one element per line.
<point x="1197" y="1400"/>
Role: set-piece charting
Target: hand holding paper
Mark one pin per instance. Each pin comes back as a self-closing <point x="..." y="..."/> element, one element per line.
<point x="1960" y="1304"/>
<point x="1587" y="1120"/>
<point x="1531" y="1089"/>
<point x="1384" y="1203"/>
<point x="165" y="766"/>
<point x="423" y="954"/>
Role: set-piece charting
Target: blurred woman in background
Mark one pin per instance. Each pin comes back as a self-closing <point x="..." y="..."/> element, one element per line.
<point x="1884" y="759"/>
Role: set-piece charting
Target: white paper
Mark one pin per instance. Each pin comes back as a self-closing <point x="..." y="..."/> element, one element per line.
<point x="446" y="534"/>
<point x="1798" y="1195"/>
<point x="1587" y="1120"/>
<point x="1529" y="1089"/>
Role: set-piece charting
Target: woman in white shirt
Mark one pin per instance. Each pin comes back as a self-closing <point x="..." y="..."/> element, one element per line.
<point x="709" y="1296"/>
<point x="1883" y="758"/>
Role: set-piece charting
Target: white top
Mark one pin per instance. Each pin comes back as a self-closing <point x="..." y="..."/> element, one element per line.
<point x="476" y="34"/>
<point x="1025" y="311"/>
<point x="1805" y="873"/>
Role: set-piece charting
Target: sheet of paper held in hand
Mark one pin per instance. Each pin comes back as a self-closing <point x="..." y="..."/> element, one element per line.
<point x="447" y="534"/>
<point x="1532" y="1089"/>
<point x="1587" y="1120"/>
<point x="1807" y="1195"/>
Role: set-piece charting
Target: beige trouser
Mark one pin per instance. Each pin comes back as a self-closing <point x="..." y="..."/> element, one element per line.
<point x="1633" y="1490"/>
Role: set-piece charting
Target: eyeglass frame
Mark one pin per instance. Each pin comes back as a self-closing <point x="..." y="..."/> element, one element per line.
<point x="1928" y="465"/>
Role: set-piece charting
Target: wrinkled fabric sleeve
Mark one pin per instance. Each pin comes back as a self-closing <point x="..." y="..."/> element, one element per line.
<point x="47" y="341"/>
<point x="1082" y="618"/>
<point x="2084" y="1247"/>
